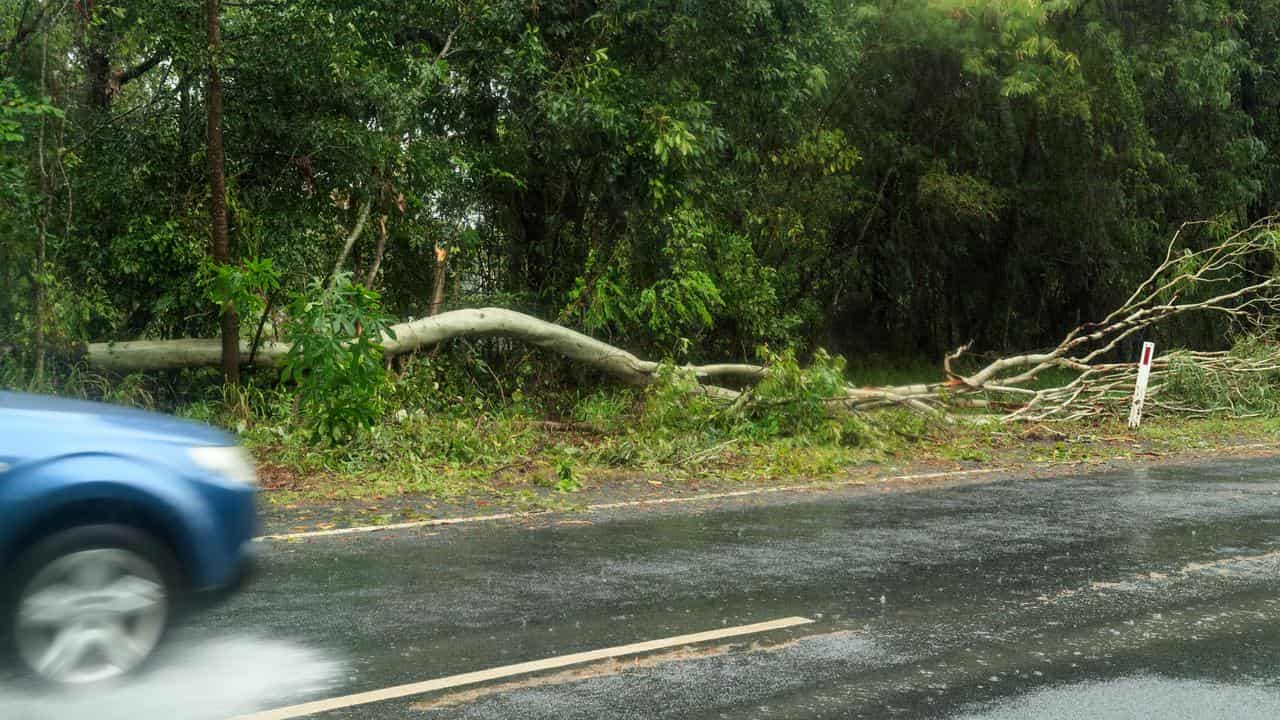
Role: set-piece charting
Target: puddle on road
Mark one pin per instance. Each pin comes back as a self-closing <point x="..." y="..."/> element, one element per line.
<point x="1138" y="697"/>
<point x="209" y="680"/>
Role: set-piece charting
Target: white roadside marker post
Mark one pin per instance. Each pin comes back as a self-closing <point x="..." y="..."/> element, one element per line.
<point x="1140" y="390"/>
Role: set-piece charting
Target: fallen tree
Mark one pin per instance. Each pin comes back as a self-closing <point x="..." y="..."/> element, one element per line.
<point x="409" y="336"/>
<point x="1233" y="277"/>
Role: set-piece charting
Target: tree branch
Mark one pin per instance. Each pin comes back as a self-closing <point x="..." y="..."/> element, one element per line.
<point x="448" y="43"/>
<point x="372" y="274"/>
<point x="351" y="242"/>
<point x="128" y="75"/>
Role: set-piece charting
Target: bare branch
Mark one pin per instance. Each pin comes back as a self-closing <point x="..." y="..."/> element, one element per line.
<point x="448" y="43"/>
<point x="351" y="242"/>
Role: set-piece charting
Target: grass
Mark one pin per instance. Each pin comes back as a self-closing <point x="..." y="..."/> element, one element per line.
<point x="883" y="370"/>
<point x="465" y="444"/>
<point x="510" y="461"/>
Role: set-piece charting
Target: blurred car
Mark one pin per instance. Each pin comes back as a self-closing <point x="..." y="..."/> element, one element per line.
<point x="111" y="519"/>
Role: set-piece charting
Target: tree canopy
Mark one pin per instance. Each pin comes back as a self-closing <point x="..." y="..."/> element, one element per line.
<point x="688" y="179"/>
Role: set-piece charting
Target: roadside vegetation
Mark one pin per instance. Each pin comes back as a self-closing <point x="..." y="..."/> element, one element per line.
<point x="452" y="428"/>
<point x="523" y="248"/>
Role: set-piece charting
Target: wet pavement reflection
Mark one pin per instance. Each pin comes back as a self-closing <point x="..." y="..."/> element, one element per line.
<point x="1140" y="697"/>
<point x="1142" y="593"/>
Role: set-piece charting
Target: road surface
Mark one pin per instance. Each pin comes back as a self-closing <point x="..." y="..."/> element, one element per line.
<point x="1149" y="592"/>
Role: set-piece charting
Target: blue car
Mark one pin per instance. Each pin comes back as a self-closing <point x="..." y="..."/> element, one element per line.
<point x="110" y="519"/>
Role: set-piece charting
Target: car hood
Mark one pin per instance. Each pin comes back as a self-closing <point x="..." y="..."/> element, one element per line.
<point x="62" y="415"/>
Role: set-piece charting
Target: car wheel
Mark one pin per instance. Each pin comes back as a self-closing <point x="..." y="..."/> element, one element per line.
<point x="90" y="604"/>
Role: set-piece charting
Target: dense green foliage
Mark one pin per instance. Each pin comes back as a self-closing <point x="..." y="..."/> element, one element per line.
<point x="335" y="358"/>
<point x="691" y="180"/>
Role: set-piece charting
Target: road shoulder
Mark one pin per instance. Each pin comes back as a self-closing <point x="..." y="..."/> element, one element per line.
<point x="621" y="494"/>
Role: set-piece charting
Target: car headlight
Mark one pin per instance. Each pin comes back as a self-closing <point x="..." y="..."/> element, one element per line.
<point x="229" y="461"/>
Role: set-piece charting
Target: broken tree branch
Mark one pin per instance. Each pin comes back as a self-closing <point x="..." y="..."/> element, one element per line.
<point x="437" y="292"/>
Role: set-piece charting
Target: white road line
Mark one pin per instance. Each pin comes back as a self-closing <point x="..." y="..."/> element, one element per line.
<point x="626" y="504"/>
<point x="506" y="671"/>
<point x="664" y="501"/>
<point x="394" y="526"/>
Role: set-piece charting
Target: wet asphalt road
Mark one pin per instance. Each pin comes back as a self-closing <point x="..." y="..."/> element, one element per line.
<point x="1151" y="592"/>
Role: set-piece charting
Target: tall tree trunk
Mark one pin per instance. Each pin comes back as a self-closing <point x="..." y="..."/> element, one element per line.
<point x="187" y="128"/>
<point x="218" y="188"/>
<point x="42" y="240"/>
<point x="98" y="69"/>
<point x="40" y="301"/>
<point x="533" y="225"/>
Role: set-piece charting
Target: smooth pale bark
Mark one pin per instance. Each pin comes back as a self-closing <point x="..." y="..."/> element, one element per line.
<point x="424" y="332"/>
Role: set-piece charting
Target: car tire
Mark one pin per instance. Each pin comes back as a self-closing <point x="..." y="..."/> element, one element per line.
<point x="89" y="604"/>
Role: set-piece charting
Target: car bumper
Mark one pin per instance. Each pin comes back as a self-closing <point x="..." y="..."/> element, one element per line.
<point x="241" y="577"/>
<point x="225" y="543"/>
<point x="247" y="571"/>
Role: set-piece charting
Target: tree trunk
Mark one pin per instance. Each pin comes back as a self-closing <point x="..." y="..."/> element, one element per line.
<point x="533" y="226"/>
<point x="424" y="332"/>
<point x="42" y="240"/>
<point x="40" y="294"/>
<point x="437" y="293"/>
<point x="40" y="300"/>
<point x="98" y="68"/>
<point x="218" y="189"/>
